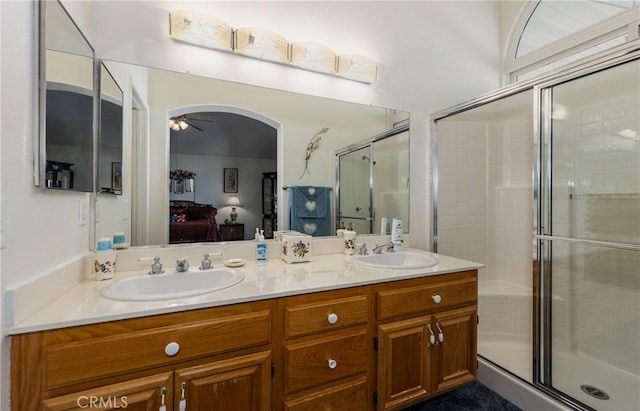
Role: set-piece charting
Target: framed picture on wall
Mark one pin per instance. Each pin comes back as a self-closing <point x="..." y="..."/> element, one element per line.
<point x="230" y="182"/>
<point x="116" y="176"/>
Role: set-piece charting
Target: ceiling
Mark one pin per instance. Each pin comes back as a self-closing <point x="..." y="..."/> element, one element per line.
<point x="225" y="134"/>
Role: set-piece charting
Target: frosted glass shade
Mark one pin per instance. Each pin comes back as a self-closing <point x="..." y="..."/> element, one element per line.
<point x="358" y="68"/>
<point x="261" y="44"/>
<point x="314" y="57"/>
<point x="200" y="30"/>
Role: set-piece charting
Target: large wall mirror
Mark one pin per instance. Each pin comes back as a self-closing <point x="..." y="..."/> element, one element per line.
<point x="109" y="134"/>
<point x="65" y="150"/>
<point x="231" y="146"/>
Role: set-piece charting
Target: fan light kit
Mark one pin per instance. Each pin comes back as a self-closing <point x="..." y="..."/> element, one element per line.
<point x="205" y="31"/>
<point x="178" y="123"/>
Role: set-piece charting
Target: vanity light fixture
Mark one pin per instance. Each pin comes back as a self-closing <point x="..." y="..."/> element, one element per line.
<point x="200" y="30"/>
<point x="205" y="31"/>
<point x="313" y="57"/>
<point x="261" y="44"/>
<point x="357" y="67"/>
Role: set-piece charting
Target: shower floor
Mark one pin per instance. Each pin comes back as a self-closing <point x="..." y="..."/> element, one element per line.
<point x="571" y="370"/>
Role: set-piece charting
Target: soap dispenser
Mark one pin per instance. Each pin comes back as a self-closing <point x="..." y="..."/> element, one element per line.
<point x="257" y="235"/>
<point x="261" y="248"/>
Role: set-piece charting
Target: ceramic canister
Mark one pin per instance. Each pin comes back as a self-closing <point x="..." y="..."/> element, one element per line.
<point x="104" y="265"/>
<point x="349" y="242"/>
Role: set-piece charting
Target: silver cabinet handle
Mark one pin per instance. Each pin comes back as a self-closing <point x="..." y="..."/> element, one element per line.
<point x="332" y="318"/>
<point x="163" y="393"/>
<point x="440" y="333"/>
<point x="183" y="401"/>
<point x="333" y="364"/>
<point x="436" y="298"/>
<point x="432" y="337"/>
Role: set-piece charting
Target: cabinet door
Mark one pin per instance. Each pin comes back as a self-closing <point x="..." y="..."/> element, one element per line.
<point x="404" y="362"/>
<point x="455" y="360"/>
<point x="146" y="393"/>
<point x="240" y="383"/>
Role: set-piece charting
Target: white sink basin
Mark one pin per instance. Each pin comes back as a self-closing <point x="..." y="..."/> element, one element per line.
<point x="401" y="259"/>
<point x="170" y="286"/>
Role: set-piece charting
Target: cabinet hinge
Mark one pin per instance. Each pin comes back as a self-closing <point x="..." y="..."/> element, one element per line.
<point x="375" y="342"/>
<point x="477" y="319"/>
<point x="375" y="398"/>
<point x="273" y="370"/>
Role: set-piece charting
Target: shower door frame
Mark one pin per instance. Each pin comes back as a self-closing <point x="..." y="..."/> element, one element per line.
<point x="541" y="102"/>
<point x="544" y="238"/>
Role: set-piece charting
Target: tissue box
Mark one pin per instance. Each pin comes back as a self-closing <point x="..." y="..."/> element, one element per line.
<point x="277" y="235"/>
<point x="296" y="248"/>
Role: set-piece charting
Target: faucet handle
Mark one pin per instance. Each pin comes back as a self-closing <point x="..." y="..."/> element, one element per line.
<point x="205" y="264"/>
<point x="182" y="265"/>
<point x="156" y="267"/>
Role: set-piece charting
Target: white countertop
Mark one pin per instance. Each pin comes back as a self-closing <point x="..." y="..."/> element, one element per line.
<point x="84" y="304"/>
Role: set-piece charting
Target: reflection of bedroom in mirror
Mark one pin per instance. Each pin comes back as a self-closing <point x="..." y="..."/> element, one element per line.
<point x="205" y="165"/>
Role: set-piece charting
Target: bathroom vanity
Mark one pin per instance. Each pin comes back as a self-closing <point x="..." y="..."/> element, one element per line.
<point x="327" y="334"/>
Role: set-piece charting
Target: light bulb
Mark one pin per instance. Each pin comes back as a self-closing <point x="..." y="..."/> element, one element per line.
<point x="172" y="121"/>
<point x="175" y="127"/>
<point x="183" y="124"/>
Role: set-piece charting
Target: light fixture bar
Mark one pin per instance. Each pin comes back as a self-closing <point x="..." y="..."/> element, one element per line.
<point x="201" y="30"/>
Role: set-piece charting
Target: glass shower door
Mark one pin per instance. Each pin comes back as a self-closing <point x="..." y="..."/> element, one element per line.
<point x="591" y="238"/>
<point x="354" y="188"/>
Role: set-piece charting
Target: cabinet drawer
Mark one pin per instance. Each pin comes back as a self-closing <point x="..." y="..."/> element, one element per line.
<point x="101" y="356"/>
<point x="410" y="300"/>
<point x="346" y="396"/>
<point x="325" y="315"/>
<point x="325" y="359"/>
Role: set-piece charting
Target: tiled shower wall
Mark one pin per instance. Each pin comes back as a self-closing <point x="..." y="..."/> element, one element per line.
<point x="598" y="289"/>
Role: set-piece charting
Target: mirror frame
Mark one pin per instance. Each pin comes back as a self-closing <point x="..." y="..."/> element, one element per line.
<point x="40" y="137"/>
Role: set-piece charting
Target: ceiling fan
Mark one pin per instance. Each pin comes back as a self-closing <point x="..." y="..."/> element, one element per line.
<point x="178" y="123"/>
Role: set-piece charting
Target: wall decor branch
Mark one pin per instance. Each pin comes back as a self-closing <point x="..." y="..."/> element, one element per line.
<point x="201" y="30"/>
<point x="313" y="145"/>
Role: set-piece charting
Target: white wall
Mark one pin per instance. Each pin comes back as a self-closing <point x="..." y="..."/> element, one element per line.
<point x="431" y="54"/>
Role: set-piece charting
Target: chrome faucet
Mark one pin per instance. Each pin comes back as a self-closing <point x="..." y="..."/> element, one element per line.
<point x="156" y="267"/>
<point x="205" y="264"/>
<point x="363" y="249"/>
<point x="182" y="265"/>
<point x="388" y="247"/>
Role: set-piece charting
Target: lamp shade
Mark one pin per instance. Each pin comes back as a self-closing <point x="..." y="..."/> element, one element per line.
<point x="234" y="201"/>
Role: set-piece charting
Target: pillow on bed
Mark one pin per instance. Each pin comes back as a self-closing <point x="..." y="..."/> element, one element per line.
<point x="202" y="213"/>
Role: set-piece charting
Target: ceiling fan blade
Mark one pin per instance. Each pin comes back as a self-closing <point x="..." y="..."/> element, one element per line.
<point x="202" y="119"/>
<point x="194" y="126"/>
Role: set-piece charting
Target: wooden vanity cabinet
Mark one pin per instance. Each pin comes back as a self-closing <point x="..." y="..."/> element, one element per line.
<point x="216" y="355"/>
<point x="426" y="337"/>
<point x="372" y="347"/>
<point x="326" y="357"/>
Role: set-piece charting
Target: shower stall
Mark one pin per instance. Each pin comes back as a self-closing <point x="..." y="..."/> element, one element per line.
<point x="373" y="181"/>
<point x="541" y="183"/>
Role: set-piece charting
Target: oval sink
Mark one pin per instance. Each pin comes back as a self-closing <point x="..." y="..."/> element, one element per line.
<point x="170" y="286"/>
<point x="401" y="259"/>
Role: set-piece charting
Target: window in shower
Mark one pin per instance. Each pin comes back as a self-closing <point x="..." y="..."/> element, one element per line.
<point x="484" y="213"/>
<point x="592" y="237"/>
